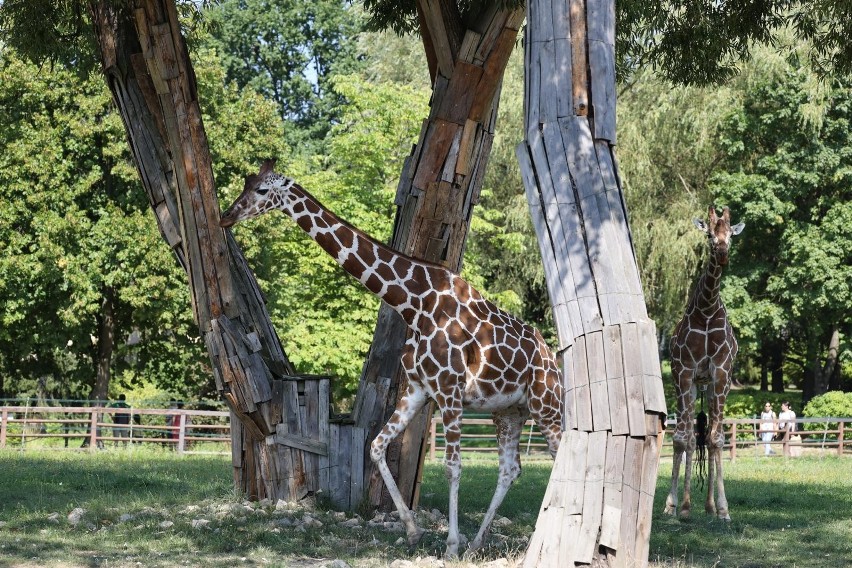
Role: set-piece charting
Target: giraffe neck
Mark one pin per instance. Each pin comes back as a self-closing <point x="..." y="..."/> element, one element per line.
<point x="395" y="278"/>
<point x="706" y="300"/>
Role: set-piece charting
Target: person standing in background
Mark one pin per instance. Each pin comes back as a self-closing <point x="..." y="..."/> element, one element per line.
<point x="767" y="428"/>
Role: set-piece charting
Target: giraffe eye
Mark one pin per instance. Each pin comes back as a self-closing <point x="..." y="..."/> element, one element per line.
<point x="262" y="190"/>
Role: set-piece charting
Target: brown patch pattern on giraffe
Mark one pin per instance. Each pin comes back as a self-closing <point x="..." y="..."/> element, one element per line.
<point x="463" y="351"/>
<point x="703" y="349"/>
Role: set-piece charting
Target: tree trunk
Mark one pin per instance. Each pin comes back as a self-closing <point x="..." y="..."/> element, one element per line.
<point x="824" y="374"/>
<point x="439" y="185"/>
<point x="598" y="505"/>
<point x="152" y="82"/>
<point x="105" y="346"/>
<point x="776" y="363"/>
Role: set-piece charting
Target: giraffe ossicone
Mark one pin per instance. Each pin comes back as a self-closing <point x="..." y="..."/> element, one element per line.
<point x="703" y="348"/>
<point x="462" y="351"/>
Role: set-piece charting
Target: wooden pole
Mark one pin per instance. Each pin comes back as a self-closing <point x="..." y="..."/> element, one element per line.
<point x="4" y="422"/>
<point x="840" y="436"/>
<point x="734" y="441"/>
<point x="597" y="509"/>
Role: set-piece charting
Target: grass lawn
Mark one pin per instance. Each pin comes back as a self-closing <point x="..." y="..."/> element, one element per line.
<point x="154" y="508"/>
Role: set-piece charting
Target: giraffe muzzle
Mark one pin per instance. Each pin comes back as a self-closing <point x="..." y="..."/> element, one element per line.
<point x="229" y="218"/>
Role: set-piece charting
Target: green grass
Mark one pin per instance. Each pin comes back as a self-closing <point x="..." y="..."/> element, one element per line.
<point x="790" y="514"/>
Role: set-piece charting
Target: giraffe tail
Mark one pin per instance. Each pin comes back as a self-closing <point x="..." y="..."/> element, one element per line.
<point x="701" y="447"/>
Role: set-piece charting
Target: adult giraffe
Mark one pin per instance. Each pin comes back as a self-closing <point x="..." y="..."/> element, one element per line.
<point x="703" y="348"/>
<point x="464" y="352"/>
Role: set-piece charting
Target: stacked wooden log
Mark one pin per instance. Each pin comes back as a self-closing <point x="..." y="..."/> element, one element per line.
<point x="597" y="508"/>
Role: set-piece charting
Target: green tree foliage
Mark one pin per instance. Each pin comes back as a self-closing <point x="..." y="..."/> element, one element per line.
<point x="787" y="173"/>
<point x="287" y="51"/>
<point x="76" y="228"/>
<point x="76" y="232"/>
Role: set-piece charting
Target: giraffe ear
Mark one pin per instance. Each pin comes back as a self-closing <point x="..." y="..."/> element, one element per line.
<point x="711" y="213"/>
<point x="266" y="167"/>
<point x="700" y="225"/>
<point x="738" y="228"/>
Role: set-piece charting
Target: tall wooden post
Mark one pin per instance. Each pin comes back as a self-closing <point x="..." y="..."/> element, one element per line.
<point x="147" y="68"/>
<point x="597" y="508"/>
<point x="439" y="185"/>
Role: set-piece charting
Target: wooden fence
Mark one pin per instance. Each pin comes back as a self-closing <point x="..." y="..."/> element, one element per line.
<point x="205" y="431"/>
<point x="93" y="427"/>
<point x="741" y="435"/>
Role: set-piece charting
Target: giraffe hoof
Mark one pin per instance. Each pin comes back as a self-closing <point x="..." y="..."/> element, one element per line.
<point x="724" y="516"/>
<point x="684" y="514"/>
<point x="669" y="510"/>
<point x="415" y="536"/>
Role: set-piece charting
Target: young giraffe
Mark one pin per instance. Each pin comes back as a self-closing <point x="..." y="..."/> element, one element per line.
<point x="703" y="349"/>
<point x="463" y="351"/>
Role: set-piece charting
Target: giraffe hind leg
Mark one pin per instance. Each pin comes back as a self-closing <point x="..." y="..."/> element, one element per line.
<point x="509" y="425"/>
<point x="406" y="408"/>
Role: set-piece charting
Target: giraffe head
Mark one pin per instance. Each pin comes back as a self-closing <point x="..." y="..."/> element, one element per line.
<point x="719" y="232"/>
<point x="263" y="192"/>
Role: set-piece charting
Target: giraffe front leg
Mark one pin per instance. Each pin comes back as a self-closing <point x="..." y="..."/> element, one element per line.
<point x="509" y="425"/>
<point x="406" y="408"/>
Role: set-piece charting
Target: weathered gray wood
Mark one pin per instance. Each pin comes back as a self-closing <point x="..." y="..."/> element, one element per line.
<point x="582" y="395"/>
<point x="592" y="497"/>
<point x="633" y="378"/>
<point x="632" y="481"/>
<point x="613" y="479"/>
<point x="615" y="380"/>
<point x="595" y="357"/>
<point x="549" y="86"/>
<point x="356" y="484"/>
<point x="652" y="384"/>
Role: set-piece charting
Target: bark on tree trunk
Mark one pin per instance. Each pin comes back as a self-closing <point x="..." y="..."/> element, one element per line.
<point x="776" y="364"/>
<point x="823" y="378"/>
<point x="597" y="508"/>
<point x="147" y="69"/>
<point x="439" y="185"/>
<point x="106" y="344"/>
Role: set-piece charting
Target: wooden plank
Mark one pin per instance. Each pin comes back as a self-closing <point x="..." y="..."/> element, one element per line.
<point x="563" y="76"/>
<point x="470" y="42"/>
<point x="442" y="40"/>
<point x="596" y="359"/>
<point x="569" y="398"/>
<point x="652" y="386"/>
<point x="439" y="138"/>
<point x="456" y="104"/>
<point x="336" y="463"/>
<point x="570" y="532"/>
<point x="615" y="380"/>
<point x="492" y="73"/>
<point x="302" y="443"/>
<point x="549" y="92"/>
<point x="357" y="486"/>
<point x="561" y="20"/>
<point x="312" y="417"/>
<point x="626" y="556"/>
<point x="552" y="521"/>
<point x="633" y="378"/>
<point x="613" y="478"/>
<point x="650" y="461"/>
<point x="560" y="176"/>
<point x="532" y="85"/>
<point x="344" y="449"/>
<point x="323" y="409"/>
<point x="602" y="69"/>
<point x="570" y="492"/>
<point x="600" y="16"/>
<point x="466" y="147"/>
<point x="581" y="385"/>
<point x="167" y="224"/>
<point x="592" y="498"/>
<point x="577" y="17"/>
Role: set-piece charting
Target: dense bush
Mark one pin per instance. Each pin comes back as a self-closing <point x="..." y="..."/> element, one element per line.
<point x="835" y="404"/>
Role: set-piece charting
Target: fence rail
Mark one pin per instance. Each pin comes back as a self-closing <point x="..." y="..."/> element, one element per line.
<point x="207" y="431"/>
<point x="741" y="435"/>
<point x="186" y="431"/>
